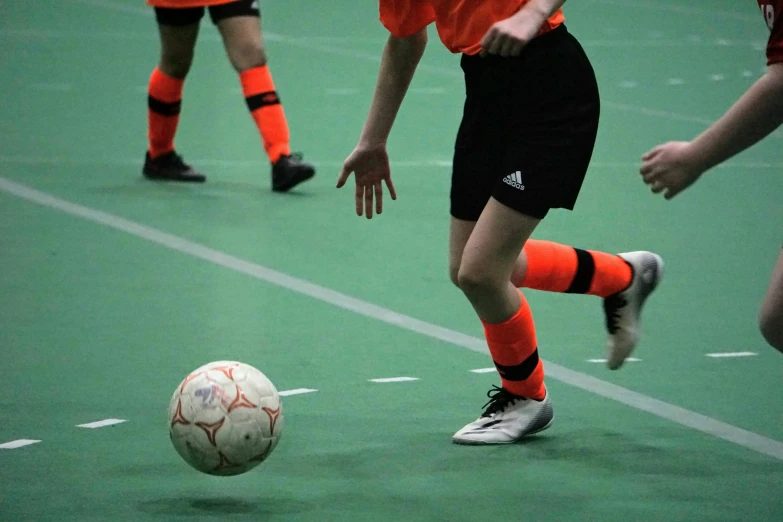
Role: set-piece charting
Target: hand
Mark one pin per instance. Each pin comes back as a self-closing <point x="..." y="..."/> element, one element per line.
<point x="509" y="36"/>
<point x="669" y="167"/>
<point x="370" y="166"/>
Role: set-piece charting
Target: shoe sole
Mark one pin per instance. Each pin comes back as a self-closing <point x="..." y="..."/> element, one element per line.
<point x="183" y="179"/>
<point x="294" y="183"/>
<point x="513" y="441"/>
<point x="616" y="359"/>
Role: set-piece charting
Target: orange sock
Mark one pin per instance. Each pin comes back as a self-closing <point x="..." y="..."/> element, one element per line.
<point x="267" y="112"/>
<point x="560" y="268"/>
<point x="163" y="107"/>
<point x="513" y="347"/>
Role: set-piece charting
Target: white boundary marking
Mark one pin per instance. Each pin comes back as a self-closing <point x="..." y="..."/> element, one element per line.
<point x="629" y="359"/>
<point x="21" y="443"/>
<point x="394" y="379"/>
<point x="691" y="419"/>
<point x="297" y="391"/>
<point x="101" y="423"/>
<point x="484" y="370"/>
<point x="731" y="354"/>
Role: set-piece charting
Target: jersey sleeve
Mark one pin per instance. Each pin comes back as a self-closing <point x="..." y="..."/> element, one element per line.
<point x="775" y="43"/>
<point x="406" y="17"/>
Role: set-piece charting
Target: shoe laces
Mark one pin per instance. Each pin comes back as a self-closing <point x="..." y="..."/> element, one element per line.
<point x="176" y="161"/>
<point x="612" y="308"/>
<point x="499" y="400"/>
<point x="294" y="158"/>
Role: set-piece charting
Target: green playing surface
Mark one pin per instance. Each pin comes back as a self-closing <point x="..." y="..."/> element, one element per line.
<point x="100" y="318"/>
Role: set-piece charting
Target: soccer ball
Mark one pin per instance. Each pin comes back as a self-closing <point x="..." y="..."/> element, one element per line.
<point x="225" y="418"/>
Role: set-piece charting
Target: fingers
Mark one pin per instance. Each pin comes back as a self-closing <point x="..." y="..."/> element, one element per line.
<point x="650" y="154"/>
<point x="657" y="187"/>
<point x="368" y="202"/>
<point x="649" y="173"/>
<point x="487" y="41"/>
<point x="390" y="186"/>
<point x="516" y="48"/>
<point x="378" y="189"/>
<point x="671" y="192"/>
<point x="496" y="44"/>
<point x="345" y="172"/>
<point x="358" y="198"/>
<point x="507" y="47"/>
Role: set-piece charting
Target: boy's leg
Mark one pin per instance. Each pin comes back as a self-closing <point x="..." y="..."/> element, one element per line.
<point x="522" y="406"/>
<point x="771" y="316"/>
<point x="178" y="29"/>
<point x="239" y="25"/>
<point x="624" y="281"/>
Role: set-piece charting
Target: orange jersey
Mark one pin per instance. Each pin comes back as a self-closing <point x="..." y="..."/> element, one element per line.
<point x="184" y="4"/>
<point x="461" y="24"/>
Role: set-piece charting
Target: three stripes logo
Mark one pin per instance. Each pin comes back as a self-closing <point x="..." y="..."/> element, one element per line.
<point x="515" y="180"/>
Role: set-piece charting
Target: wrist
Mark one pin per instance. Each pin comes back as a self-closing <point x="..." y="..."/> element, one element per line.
<point x="532" y="11"/>
<point x="696" y="159"/>
<point x="370" y="143"/>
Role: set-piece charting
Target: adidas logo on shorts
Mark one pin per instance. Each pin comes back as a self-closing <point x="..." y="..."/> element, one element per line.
<point x="515" y="180"/>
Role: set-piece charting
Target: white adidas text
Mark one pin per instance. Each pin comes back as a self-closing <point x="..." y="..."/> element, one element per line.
<point x="515" y="180"/>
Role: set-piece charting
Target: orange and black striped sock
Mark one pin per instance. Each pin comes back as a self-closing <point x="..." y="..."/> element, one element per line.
<point x="559" y="268"/>
<point x="512" y="345"/>
<point x="267" y="112"/>
<point x="164" y="102"/>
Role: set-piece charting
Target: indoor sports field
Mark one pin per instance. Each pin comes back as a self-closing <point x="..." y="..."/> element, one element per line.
<point x="113" y="288"/>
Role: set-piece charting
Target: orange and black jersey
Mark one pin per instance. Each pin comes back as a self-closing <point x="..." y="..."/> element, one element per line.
<point x="461" y="24"/>
<point x="773" y="15"/>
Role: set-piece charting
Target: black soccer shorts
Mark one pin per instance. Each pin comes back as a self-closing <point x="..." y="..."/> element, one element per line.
<point x="528" y="128"/>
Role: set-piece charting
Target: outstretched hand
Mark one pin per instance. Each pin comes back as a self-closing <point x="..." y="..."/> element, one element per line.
<point x="370" y="167"/>
<point x="669" y="168"/>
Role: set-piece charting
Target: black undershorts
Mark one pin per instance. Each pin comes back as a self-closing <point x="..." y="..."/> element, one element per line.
<point x="193" y="15"/>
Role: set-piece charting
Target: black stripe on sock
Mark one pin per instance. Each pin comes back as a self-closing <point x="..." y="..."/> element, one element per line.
<point x="164" y="108"/>
<point x="585" y="270"/>
<point x="263" y="99"/>
<point x="521" y="371"/>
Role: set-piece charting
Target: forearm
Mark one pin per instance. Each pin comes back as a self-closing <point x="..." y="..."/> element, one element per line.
<point x="398" y="64"/>
<point x="754" y="116"/>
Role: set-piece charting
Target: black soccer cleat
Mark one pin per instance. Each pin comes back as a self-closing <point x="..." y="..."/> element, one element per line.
<point x="171" y="167"/>
<point x="289" y="171"/>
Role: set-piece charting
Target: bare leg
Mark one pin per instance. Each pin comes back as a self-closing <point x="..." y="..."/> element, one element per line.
<point x="771" y="316"/>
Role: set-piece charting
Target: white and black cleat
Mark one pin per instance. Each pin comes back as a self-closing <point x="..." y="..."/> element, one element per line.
<point x="507" y="419"/>
<point x="623" y="310"/>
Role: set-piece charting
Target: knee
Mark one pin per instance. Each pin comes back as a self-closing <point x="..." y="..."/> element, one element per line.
<point x="247" y="54"/>
<point x="771" y="326"/>
<point x="177" y="63"/>
<point x="474" y="281"/>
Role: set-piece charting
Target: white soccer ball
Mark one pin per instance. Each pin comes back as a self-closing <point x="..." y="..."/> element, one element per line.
<point x="225" y="418"/>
